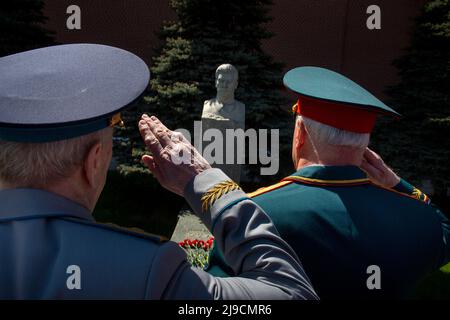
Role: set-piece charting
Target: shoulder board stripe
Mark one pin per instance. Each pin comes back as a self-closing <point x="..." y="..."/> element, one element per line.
<point x="268" y="189"/>
<point x="320" y="182"/>
<point x="401" y="193"/>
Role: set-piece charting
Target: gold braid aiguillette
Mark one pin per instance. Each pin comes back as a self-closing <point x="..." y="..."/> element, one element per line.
<point x="216" y="192"/>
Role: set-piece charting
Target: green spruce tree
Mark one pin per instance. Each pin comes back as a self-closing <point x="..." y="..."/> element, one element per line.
<point x="21" y="25"/>
<point x="418" y="146"/>
<point x="207" y="34"/>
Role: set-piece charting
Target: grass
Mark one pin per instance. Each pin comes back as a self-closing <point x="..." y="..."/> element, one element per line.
<point x="435" y="286"/>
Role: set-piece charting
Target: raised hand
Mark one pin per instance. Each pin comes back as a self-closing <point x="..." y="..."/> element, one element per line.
<point x="174" y="161"/>
<point x="378" y="171"/>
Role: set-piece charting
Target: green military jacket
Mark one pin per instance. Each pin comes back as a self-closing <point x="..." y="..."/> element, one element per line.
<point x="342" y="226"/>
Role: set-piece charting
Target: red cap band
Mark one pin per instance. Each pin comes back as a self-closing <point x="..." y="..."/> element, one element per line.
<point x="341" y="116"/>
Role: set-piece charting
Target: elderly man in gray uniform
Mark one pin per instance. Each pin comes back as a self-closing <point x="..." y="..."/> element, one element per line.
<point x="57" y="109"/>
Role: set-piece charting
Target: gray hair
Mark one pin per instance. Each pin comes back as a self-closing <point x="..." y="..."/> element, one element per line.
<point x="228" y="68"/>
<point x="33" y="165"/>
<point x="323" y="134"/>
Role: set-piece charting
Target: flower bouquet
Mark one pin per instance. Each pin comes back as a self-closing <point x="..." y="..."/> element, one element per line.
<point x="197" y="251"/>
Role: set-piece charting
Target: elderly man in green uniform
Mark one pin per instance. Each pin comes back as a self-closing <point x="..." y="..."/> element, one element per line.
<point x="359" y="229"/>
<point x="58" y="106"/>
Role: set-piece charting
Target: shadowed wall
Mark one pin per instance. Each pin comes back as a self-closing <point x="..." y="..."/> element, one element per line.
<point x="328" y="33"/>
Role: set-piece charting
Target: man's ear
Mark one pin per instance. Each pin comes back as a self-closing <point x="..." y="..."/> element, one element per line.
<point x="92" y="164"/>
<point x="304" y="133"/>
<point x="300" y="135"/>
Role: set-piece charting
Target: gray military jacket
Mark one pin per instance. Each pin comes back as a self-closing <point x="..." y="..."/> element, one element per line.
<point x="51" y="248"/>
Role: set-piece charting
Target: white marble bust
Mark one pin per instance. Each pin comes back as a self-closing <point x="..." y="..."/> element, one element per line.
<point x="224" y="107"/>
<point x="224" y="112"/>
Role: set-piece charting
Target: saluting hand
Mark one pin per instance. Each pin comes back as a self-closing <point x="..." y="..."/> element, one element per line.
<point x="174" y="161"/>
<point x="378" y="171"/>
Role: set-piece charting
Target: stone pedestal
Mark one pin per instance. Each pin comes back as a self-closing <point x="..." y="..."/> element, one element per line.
<point x="233" y="169"/>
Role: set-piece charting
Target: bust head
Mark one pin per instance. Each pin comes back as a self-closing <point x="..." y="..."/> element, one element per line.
<point x="226" y="82"/>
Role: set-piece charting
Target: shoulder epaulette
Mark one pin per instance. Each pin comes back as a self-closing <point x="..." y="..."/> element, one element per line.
<point x="405" y="187"/>
<point x="268" y="189"/>
<point x="135" y="232"/>
<point x="416" y="194"/>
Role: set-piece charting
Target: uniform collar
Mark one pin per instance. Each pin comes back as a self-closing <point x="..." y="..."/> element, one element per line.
<point x="330" y="175"/>
<point x="19" y="204"/>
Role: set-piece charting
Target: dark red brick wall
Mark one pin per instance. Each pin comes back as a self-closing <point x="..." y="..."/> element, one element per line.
<point x="333" y="34"/>
<point x="128" y="24"/>
<point x="328" y="33"/>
